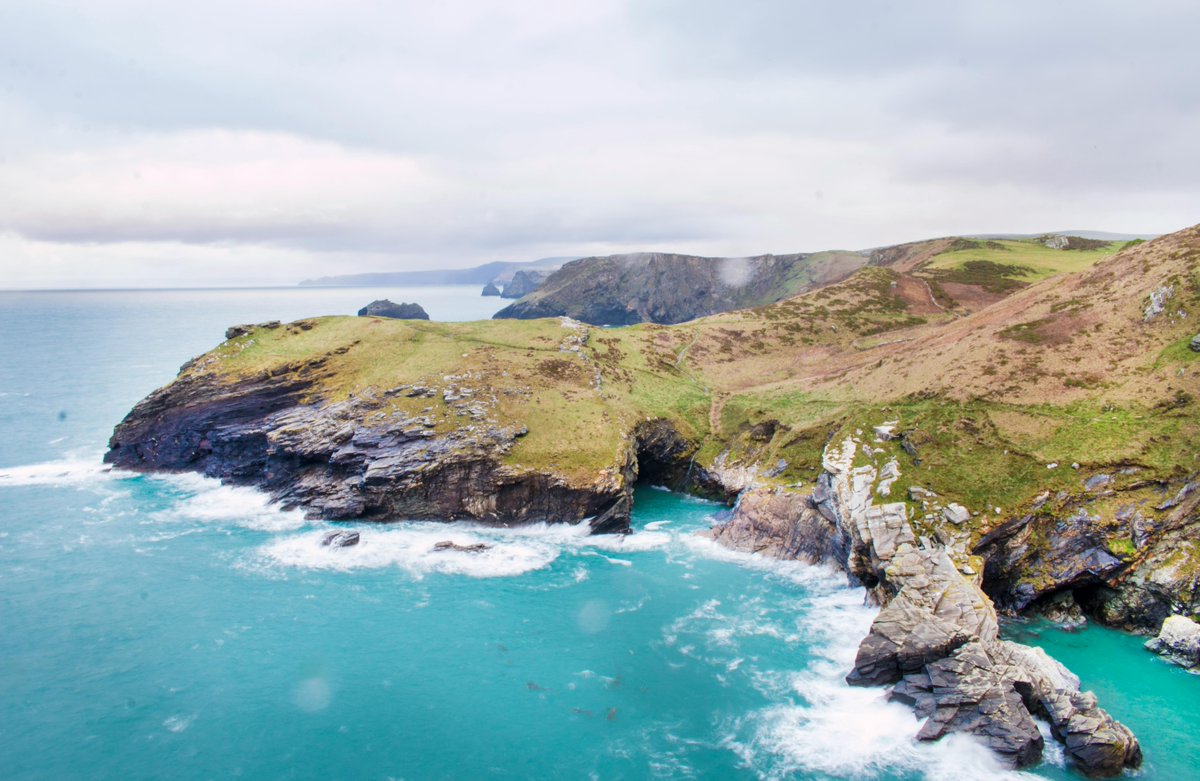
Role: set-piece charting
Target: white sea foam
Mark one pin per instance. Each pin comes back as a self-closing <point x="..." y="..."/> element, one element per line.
<point x="411" y="548"/>
<point x="206" y="500"/>
<point x="837" y="730"/>
<point x="64" y="472"/>
<point x="179" y="723"/>
<point x="820" y="577"/>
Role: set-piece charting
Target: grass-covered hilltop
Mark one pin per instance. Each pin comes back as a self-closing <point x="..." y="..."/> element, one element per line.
<point x="957" y="415"/>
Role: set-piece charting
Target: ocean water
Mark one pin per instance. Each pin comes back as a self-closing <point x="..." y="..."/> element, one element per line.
<point x="171" y="627"/>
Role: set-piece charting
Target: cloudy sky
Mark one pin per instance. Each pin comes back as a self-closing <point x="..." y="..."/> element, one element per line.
<point x="154" y="143"/>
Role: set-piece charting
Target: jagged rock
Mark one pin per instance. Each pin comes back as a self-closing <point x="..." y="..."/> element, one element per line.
<point x="782" y="524"/>
<point x="386" y="308"/>
<point x="524" y="282"/>
<point x="1178" y="640"/>
<point x="1063" y="610"/>
<point x="1157" y="303"/>
<point x="346" y="460"/>
<point x="956" y="514"/>
<point x="449" y="545"/>
<point x="886" y="432"/>
<point x="1096" y="482"/>
<point x="340" y="539"/>
<point x="1194" y="345"/>
<point x="490" y="289"/>
<point x="887" y="476"/>
<point x="936" y="636"/>
<point x="918" y="494"/>
<point x="234" y="331"/>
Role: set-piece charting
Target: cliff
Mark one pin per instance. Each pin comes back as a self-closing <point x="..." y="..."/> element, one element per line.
<point x="936" y="639"/>
<point x="670" y="288"/>
<point x="1036" y="452"/>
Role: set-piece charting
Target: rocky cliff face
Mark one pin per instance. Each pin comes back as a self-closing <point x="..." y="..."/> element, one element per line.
<point x="669" y="288"/>
<point x="360" y="458"/>
<point x="523" y="283"/>
<point x="936" y="639"/>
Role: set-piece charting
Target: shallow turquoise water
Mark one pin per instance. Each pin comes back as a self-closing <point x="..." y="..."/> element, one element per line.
<point x="170" y="627"/>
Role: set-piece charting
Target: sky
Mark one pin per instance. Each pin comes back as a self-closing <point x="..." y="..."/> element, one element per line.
<point x="233" y="142"/>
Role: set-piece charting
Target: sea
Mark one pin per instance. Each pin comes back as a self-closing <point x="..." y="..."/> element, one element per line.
<point x="169" y="627"/>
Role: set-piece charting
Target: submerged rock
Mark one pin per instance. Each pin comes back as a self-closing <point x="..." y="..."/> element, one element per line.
<point x="341" y="539"/>
<point x="449" y="545"/>
<point x="386" y="308"/>
<point x="1178" y="640"/>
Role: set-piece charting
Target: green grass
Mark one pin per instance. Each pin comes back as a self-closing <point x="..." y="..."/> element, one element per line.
<point x="1038" y="260"/>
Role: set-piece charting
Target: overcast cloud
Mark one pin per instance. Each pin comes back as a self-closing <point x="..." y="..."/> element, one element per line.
<point x="154" y="143"/>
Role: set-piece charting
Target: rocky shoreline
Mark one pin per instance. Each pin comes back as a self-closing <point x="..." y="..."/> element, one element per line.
<point x="936" y="639"/>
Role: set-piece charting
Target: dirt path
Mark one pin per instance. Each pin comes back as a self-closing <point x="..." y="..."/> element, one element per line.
<point x="714" y="413"/>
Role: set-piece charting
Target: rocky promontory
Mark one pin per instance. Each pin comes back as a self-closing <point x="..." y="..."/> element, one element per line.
<point x="386" y="308"/>
<point x="936" y="640"/>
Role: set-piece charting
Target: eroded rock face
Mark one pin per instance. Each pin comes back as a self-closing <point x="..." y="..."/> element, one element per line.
<point x="782" y="524"/>
<point x="936" y="637"/>
<point x="351" y="459"/>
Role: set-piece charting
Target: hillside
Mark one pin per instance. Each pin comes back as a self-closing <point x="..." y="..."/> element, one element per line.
<point x="669" y="288"/>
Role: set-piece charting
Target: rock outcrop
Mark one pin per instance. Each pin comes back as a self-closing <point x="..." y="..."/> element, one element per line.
<point x="353" y="458"/>
<point x="490" y="289"/>
<point x="385" y="308"/>
<point x="341" y="539"/>
<point x="668" y="288"/>
<point x="523" y="283"/>
<point x="936" y="639"/>
<point x="1178" y="640"/>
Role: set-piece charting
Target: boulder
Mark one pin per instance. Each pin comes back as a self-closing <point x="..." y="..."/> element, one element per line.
<point x="1194" y="345"/>
<point x="956" y="514"/>
<point x="342" y="539"/>
<point x="386" y="308"/>
<point x="490" y="289"/>
<point x="1178" y="640"/>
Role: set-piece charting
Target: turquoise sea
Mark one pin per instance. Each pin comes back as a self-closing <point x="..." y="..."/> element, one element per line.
<point x="170" y="627"/>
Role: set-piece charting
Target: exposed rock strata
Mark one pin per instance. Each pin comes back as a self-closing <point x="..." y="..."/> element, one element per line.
<point x="936" y="638"/>
<point x="350" y="460"/>
<point x="1131" y="572"/>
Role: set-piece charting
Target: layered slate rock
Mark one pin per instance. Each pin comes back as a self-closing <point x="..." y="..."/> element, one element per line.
<point x="782" y="524"/>
<point x="936" y="638"/>
<point x="385" y="308"/>
<point x="355" y="458"/>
